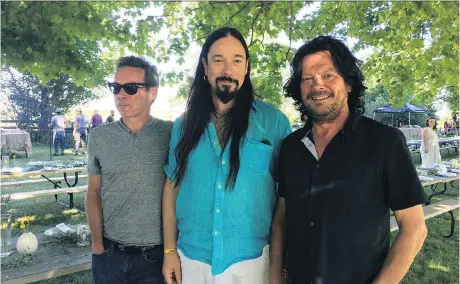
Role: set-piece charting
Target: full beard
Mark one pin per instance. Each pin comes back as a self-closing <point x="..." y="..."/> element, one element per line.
<point x="330" y="114"/>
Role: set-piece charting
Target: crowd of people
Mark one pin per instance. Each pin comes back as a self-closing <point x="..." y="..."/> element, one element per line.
<point x="81" y="125"/>
<point x="227" y="194"/>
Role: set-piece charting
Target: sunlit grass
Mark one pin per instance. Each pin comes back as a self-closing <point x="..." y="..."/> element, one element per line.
<point x="437" y="265"/>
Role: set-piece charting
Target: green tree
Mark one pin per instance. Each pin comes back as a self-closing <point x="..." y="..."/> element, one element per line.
<point x="34" y="103"/>
<point x="50" y="39"/>
<point x="415" y="44"/>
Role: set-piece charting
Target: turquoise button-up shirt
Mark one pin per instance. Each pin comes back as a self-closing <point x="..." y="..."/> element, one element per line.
<point x="217" y="225"/>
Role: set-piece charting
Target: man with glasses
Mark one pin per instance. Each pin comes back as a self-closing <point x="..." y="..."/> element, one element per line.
<point x="125" y="162"/>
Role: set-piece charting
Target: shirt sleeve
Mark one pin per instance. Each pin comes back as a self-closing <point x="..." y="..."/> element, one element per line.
<point x="283" y="130"/>
<point x="94" y="167"/>
<point x="401" y="183"/>
<point x="279" y="175"/>
<point x="171" y="164"/>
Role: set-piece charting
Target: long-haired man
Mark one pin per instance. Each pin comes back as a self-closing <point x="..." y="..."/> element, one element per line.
<point x="220" y="193"/>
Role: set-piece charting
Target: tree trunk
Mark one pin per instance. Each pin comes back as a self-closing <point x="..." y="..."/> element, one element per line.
<point x="45" y="114"/>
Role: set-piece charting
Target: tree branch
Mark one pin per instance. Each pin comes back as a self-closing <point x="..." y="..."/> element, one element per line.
<point x="290" y="30"/>
<point x="239" y="11"/>
<point x="253" y="23"/>
<point x="15" y="83"/>
<point x="32" y="15"/>
<point x="195" y="40"/>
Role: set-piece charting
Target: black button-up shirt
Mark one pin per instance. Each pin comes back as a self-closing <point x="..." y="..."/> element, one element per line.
<point x="338" y="207"/>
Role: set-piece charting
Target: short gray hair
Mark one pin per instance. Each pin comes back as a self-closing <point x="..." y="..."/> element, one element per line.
<point x="151" y="77"/>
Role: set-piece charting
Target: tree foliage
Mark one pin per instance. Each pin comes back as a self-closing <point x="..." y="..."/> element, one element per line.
<point x="65" y="38"/>
<point x="415" y="44"/>
<point x="259" y="21"/>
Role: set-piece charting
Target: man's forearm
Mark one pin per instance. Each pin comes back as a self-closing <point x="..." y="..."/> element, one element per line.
<point x="277" y="244"/>
<point x="94" y="217"/>
<point x="169" y="215"/>
<point x="277" y="249"/>
<point x="402" y="253"/>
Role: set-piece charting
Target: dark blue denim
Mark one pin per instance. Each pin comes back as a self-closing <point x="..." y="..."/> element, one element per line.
<point x="59" y="139"/>
<point x="117" y="266"/>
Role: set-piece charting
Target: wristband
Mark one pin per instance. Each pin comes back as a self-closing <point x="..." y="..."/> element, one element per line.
<point x="169" y="250"/>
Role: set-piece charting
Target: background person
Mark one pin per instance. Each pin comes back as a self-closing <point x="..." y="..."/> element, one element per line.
<point x="430" y="146"/>
<point x="58" y="125"/>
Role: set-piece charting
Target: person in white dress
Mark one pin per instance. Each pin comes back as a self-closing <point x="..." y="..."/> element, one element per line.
<point x="430" y="145"/>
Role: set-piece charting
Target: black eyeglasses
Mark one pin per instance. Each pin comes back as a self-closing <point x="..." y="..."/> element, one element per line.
<point x="130" y="88"/>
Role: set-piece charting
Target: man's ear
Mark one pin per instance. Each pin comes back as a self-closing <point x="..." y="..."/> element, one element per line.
<point x="153" y="92"/>
<point x="349" y="89"/>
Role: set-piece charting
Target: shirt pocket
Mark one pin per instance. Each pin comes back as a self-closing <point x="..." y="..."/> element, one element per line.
<point x="256" y="156"/>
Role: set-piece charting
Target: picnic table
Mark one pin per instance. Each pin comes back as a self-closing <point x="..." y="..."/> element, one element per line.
<point x="57" y="188"/>
<point x="444" y="144"/>
<point x="441" y="141"/>
<point x="437" y="180"/>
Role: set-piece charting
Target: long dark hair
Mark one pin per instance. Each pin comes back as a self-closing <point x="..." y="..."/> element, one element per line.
<point x="345" y="63"/>
<point x="200" y="107"/>
<point x="435" y="122"/>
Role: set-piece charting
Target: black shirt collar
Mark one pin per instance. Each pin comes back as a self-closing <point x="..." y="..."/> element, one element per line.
<point x="351" y="125"/>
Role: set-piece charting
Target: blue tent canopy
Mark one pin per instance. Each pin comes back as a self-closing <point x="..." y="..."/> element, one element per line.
<point x="405" y="108"/>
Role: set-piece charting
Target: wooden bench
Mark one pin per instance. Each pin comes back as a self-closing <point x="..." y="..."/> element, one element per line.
<point x="433" y="210"/>
<point x="46" y="192"/>
<point x="37" y="181"/>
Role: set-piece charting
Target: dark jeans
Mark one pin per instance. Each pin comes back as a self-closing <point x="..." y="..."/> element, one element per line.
<point x="59" y="139"/>
<point x="136" y="266"/>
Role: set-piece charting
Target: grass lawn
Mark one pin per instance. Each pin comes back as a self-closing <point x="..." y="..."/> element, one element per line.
<point x="436" y="263"/>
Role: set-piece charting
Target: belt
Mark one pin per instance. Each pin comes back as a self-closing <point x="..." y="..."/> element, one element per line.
<point x="131" y="249"/>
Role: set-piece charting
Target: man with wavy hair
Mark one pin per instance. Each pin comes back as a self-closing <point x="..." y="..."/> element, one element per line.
<point x="221" y="193"/>
<point x="340" y="175"/>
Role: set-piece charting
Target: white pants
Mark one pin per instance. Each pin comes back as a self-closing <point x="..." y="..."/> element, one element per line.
<point x="253" y="271"/>
<point x="78" y="140"/>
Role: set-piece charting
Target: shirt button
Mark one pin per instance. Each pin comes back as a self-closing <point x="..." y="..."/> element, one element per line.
<point x="317" y="166"/>
<point x="223" y="162"/>
<point x="216" y="233"/>
<point x="312" y="224"/>
<point x="219" y="186"/>
<point x="217" y="210"/>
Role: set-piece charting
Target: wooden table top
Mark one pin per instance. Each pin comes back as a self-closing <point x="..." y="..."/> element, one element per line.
<point x="42" y="172"/>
